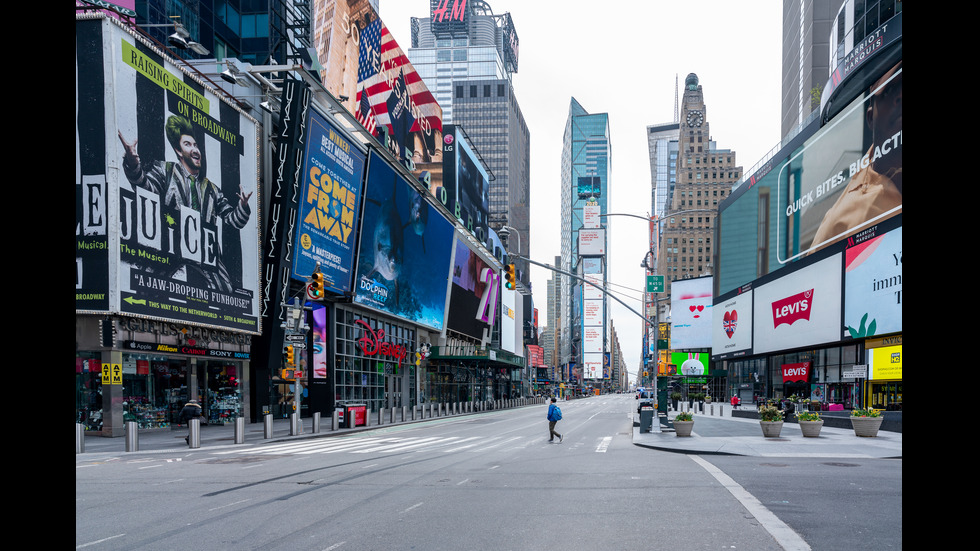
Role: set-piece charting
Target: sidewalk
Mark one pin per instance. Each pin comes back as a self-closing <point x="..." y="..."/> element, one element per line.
<point x="215" y="437"/>
<point x="726" y="435"/>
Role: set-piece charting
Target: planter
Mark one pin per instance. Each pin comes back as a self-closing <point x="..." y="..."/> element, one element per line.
<point x="811" y="429"/>
<point x="771" y="429"/>
<point x="683" y="428"/>
<point x="866" y="426"/>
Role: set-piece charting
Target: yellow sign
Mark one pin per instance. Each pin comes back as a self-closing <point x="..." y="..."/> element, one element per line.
<point x="112" y="374"/>
<point x="886" y="363"/>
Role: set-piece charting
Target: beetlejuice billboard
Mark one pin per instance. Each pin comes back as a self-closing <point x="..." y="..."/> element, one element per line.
<point x="404" y="251"/>
<point x="166" y="188"/>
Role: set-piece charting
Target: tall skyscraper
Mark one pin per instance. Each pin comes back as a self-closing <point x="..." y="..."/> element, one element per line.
<point x="705" y="175"/>
<point x="585" y="194"/>
<point x="806" y="58"/>
<point x="466" y="57"/>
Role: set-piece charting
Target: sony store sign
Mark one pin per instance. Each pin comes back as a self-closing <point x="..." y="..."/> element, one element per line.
<point x="188" y="333"/>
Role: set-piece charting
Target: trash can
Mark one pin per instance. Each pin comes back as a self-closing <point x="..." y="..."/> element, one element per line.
<point x="646" y="419"/>
<point x="354" y="415"/>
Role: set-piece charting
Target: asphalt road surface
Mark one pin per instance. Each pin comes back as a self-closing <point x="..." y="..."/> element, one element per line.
<point x="485" y="481"/>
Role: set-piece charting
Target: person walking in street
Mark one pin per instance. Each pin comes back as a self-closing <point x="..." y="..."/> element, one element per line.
<point x="554" y="415"/>
<point x="191" y="410"/>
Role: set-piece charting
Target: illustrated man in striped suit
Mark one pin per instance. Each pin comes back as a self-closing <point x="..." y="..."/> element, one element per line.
<point x="184" y="184"/>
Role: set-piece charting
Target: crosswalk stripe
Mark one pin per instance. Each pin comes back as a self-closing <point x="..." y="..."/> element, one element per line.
<point x="402" y="446"/>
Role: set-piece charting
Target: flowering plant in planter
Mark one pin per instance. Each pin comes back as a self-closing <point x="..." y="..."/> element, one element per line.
<point x="770" y="413"/>
<point x="807" y="416"/>
<point x="684" y="416"/>
<point x="869" y="412"/>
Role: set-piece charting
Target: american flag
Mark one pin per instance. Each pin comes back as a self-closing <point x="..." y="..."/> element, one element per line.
<point x="364" y="114"/>
<point x="380" y="63"/>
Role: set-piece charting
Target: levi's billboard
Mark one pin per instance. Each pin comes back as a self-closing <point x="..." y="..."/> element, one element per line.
<point x="801" y="308"/>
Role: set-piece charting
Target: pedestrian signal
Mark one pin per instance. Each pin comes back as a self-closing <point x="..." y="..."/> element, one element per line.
<point x="288" y="374"/>
<point x="316" y="285"/>
<point x="510" y="277"/>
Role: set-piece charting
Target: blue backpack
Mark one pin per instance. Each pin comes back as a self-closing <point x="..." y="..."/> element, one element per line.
<point x="556" y="414"/>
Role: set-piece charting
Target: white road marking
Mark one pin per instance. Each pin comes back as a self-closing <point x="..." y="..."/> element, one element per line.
<point x="784" y="535"/>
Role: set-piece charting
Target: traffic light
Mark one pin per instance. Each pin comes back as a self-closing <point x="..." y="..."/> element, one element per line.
<point x="510" y="276"/>
<point x="316" y="285"/>
<point x="290" y="355"/>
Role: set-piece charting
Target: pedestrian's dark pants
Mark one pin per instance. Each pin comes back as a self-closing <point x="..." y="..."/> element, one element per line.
<point x="551" y="429"/>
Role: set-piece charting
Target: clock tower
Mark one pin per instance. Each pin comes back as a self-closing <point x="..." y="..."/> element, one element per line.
<point x="705" y="177"/>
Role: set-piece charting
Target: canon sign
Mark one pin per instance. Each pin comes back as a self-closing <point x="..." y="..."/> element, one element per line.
<point x="792" y="308"/>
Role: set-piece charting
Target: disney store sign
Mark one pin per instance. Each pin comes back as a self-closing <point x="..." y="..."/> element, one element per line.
<point x="371" y="344"/>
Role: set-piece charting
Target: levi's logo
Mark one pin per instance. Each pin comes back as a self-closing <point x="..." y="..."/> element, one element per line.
<point x="791" y="309"/>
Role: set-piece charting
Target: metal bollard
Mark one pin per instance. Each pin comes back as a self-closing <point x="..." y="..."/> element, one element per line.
<point x="381" y="416"/>
<point x="316" y="422"/>
<point x="391" y="417"/>
<point x="295" y="427"/>
<point x="132" y="437"/>
<point x="194" y="441"/>
<point x="404" y="413"/>
<point x="79" y="438"/>
<point x="268" y="425"/>
<point x="239" y="430"/>
<point x="335" y="422"/>
<point x="413" y="412"/>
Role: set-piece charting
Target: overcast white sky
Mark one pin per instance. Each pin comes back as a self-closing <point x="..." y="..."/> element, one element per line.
<point x="624" y="61"/>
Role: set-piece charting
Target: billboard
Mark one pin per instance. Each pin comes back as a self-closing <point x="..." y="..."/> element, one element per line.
<point x="392" y="95"/>
<point x="404" y="251"/>
<point x="465" y="186"/>
<point x="839" y="180"/>
<point x="731" y="328"/>
<point x="508" y="320"/>
<point x="873" y="284"/>
<point x="690" y="364"/>
<point x="364" y="67"/>
<point x="885" y="363"/>
<point x="329" y="205"/>
<point x="166" y="188"/>
<point x="589" y="186"/>
<point x="799" y="309"/>
<point x="691" y="313"/>
<point x="474" y="294"/>
<point x="848" y="176"/>
<point x="592" y="241"/>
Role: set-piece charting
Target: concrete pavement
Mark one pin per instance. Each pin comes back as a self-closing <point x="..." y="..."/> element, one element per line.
<point x="723" y="434"/>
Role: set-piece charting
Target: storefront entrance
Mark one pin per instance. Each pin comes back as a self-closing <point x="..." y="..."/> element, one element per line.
<point x="886" y="395"/>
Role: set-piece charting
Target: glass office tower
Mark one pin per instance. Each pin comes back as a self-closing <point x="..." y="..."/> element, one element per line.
<point x="585" y="161"/>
